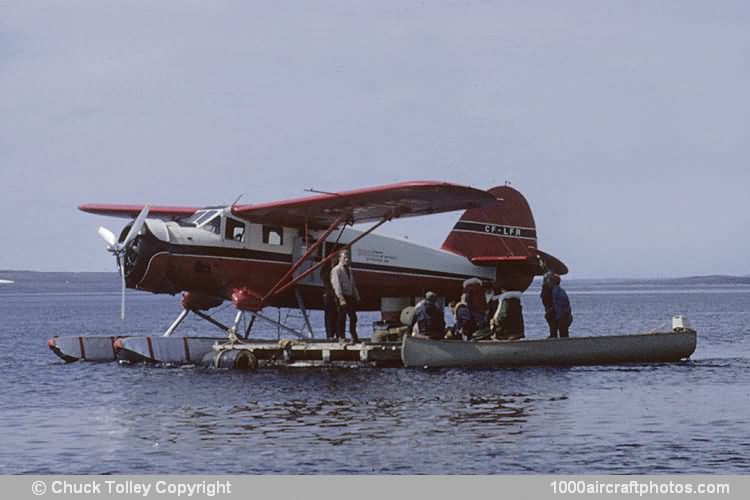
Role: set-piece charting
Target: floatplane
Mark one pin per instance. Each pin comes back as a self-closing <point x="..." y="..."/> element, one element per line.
<point x="267" y="255"/>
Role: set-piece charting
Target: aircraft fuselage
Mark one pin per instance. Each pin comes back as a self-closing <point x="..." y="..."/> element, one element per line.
<point x="221" y="254"/>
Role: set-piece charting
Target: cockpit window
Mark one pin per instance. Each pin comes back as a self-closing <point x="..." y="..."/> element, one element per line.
<point x="205" y="217"/>
<point x="198" y="218"/>
<point x="273" y="235"/>
<point x="235" y="230"/>
<point x="213" y="225"/>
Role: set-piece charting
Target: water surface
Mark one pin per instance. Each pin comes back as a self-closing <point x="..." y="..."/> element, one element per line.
<point x="107" y="418"/>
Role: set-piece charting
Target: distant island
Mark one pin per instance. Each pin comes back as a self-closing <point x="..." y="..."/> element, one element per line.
<point x="105" y="280"/>
<point x="709" y="279"/>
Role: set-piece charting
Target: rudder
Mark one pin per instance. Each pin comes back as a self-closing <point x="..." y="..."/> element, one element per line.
<point x="503" y="235"/>
<point x="504" y="230"/>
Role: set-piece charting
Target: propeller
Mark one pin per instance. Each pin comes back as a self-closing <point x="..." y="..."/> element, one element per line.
<point x="119" y="249"/>
<point x="109" y="237"/>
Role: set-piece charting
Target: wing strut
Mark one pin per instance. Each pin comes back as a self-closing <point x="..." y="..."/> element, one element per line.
<point x="276" y="290"/>
<point x="304" y="256"/>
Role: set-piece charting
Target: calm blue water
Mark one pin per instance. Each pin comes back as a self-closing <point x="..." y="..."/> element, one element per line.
<point x="108" y="418"/>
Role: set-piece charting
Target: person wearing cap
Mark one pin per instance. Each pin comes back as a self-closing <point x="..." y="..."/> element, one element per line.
<point x="561" y="303"/>
<point x="507" y="322"/>
<point x="347" y="295"/>
<point x="465" y="323"/>
<point x="428" y="318"/>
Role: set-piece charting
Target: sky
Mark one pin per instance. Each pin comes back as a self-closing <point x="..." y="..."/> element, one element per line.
<point x="624" y="123"/>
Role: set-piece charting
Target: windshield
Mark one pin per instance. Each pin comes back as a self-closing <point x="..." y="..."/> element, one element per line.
<point x="211" y="223"/>
<point x="198" y="218"/>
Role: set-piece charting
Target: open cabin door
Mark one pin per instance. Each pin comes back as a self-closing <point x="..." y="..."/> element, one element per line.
<point x="299" y="249"/>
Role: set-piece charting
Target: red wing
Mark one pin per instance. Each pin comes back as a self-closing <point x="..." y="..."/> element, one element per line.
<point x="132" y="211"/>
<point x="405" y="199"/>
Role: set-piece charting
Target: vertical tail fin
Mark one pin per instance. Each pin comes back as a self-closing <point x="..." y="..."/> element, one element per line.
<point x="503" y="235"/>
<point x="501" y="232"/>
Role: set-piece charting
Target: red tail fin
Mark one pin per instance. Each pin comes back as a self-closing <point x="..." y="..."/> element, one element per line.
<point x="503" y="235"/>
<point x="503" y="232"/>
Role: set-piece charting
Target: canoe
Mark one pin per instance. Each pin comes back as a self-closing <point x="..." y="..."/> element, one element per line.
<point x="635" y="348"/>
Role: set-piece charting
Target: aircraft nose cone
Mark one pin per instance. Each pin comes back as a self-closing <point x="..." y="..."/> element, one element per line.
<point x="136" y="257"/>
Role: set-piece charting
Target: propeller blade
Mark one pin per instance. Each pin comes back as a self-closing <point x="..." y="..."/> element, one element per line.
<point x="120" y="259"/>
<point x="108" y="236"/>
<point x="136" y="227"/>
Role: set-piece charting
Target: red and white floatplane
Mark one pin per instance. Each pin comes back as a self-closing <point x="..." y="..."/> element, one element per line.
<point x="269" y="255"/>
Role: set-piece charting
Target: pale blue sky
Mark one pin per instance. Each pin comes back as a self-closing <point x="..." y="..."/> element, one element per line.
<point x="624" y="123"/>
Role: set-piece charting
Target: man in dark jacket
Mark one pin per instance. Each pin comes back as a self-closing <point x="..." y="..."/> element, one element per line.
<point x="465" y="323"/>
<point x="549" y="306"/>
<point x="563" y="314"/>
<point x="428" y="317"/>
<point x="507" y="323"/>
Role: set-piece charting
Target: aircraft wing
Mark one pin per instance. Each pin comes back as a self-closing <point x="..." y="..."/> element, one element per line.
<point x="132" y="211"/>
<point x="407" y="199"/>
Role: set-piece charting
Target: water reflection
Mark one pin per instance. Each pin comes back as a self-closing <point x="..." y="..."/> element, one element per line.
<point x="513" y="409"/>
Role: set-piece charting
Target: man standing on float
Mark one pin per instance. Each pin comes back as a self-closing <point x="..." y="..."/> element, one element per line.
<point x="347" y="295"/>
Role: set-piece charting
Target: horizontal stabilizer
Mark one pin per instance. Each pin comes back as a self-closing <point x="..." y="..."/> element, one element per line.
<point x="491" y="260"/>
<point x="553" y="263"/>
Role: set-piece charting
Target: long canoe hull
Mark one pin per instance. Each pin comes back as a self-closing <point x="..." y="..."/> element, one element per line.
<point x="636" y="348"/>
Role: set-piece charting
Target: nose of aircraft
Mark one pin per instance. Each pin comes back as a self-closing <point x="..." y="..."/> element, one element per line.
<point x="123" y="247"/>
<point x="136" y="256"/>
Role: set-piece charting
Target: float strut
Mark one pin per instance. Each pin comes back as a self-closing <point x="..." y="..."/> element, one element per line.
<point x="249" y="326"/>
<point x="212" y="321"/>
<point x="279" y="325"/>
<point x="233" y="331"/>
<point x="176" y="323"/>
<point x="302" y="308"/>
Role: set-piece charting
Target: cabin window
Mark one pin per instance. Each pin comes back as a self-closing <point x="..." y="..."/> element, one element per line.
<point x="235" y="230"/>
<point x="273" y="235"/>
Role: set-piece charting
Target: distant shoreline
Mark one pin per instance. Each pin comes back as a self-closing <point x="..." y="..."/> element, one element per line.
<point x="8" y="276"/>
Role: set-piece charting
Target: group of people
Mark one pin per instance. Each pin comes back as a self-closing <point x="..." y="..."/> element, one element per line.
<point x="501" y="317"/>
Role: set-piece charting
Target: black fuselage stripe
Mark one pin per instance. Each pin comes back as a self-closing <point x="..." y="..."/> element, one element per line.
<point x="392" y="269"/>
<point x="255" y="255"/>
<point x="236" y="253"/>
